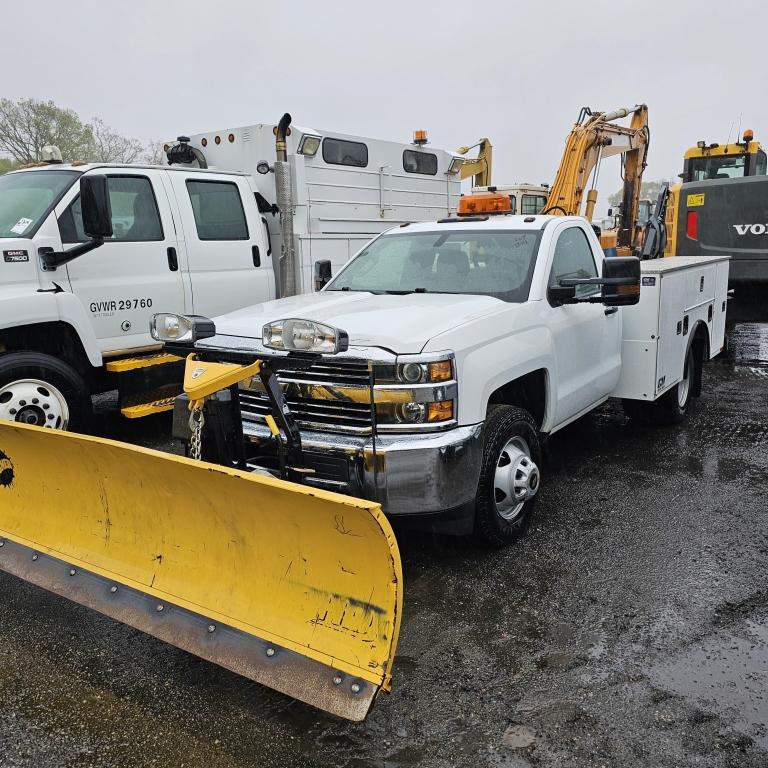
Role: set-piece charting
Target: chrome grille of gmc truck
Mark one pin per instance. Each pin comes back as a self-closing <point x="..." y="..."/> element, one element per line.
<point x="328" y="395"/>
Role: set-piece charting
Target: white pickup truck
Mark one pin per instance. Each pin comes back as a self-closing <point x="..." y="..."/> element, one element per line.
<point x="427" y="372"/>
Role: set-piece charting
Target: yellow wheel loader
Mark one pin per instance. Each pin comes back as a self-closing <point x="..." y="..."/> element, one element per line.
<point x="297" y="588"/>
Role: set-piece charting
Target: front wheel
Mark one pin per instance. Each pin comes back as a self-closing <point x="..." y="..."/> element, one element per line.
<point x="42" y="391"/>
<point x="509" y="475"/>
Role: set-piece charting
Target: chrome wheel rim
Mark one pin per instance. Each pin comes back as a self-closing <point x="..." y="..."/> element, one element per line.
<point x="34" y="402"/>
<point x="684" y="387"/>
<point x="516" y="479"/>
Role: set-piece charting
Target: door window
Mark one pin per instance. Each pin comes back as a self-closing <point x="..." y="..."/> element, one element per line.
<point x="574" y="259"/>
<point x="135" y="217"/>
<point x="218" y="210"/>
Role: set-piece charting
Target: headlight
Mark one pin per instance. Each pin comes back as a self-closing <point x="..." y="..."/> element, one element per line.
<point x="418" y="373"/>
<point x="297" y="335"/>
<point x="166" y="326"/>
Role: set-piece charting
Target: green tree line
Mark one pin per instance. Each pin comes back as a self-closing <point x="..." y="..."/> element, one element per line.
<point x="28" y="125"/>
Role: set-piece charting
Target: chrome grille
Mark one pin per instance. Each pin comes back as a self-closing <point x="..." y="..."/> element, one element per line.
<point x="338" y="415"/>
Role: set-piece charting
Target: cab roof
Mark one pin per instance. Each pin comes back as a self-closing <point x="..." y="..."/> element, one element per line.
<point x="499" y="221"/>
<point x="83" y="167"/>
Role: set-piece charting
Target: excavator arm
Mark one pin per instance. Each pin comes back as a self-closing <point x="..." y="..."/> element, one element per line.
<point x="480" y="166"/>
<point x="595" y="136"/>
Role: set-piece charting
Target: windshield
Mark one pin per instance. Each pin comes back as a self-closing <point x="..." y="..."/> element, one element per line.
<point x="495" y="263"/>
<point x="724" y="167"/>
<point x="25" y="198"/>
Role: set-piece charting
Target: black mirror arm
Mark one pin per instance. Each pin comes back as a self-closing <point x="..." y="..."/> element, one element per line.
<point x="52" y="259"/>
<point x="569" y="282"/>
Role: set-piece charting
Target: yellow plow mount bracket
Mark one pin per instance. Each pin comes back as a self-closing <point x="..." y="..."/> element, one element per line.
<point x="295" y="588"/>
<point x="203" y="379"/>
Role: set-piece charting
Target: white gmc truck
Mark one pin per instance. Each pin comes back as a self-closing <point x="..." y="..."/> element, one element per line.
<point x="426" y="373"/>
<point x="238" y="216"/>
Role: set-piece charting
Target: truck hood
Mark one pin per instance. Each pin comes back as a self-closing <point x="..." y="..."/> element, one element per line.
<point x="402" y="324"/>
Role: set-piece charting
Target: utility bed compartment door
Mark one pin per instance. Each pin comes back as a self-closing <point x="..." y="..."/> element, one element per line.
<point x="676" y="295"/>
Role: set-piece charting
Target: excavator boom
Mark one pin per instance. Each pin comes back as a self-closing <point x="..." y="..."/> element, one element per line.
<point x="595" y="136"/>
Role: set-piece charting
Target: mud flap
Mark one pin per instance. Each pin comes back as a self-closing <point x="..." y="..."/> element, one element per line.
<point x="296" y="588"/>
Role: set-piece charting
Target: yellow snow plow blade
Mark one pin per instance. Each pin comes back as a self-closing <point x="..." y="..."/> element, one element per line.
<point x="296" y="588"/>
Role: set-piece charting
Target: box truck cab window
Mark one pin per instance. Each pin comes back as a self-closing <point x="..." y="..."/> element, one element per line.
<point x="26" y="199"/>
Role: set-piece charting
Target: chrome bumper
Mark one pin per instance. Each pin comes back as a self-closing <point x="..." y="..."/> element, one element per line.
<point x="407" y="474"/>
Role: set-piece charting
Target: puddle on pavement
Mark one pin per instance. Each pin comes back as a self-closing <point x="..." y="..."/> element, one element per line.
<point x="725" y="674"/>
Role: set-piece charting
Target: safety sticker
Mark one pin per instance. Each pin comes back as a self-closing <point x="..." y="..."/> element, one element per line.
<point x="694" y="201"/>
<point x="19" y="227"/>
<point x="11" y="257"/>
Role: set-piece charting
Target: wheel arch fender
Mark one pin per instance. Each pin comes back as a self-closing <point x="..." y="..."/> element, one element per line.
<point x="31" y="309"/>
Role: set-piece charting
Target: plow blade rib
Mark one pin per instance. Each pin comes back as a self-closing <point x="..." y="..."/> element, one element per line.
<point x="295" y="588"/>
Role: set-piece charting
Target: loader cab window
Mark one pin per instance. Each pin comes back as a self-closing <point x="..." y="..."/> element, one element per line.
<point x="419" y="162"/>
<point x="135" y="217"/>
<point x="218" y="210"/>
<point x="340" y="152"/>
<point x="761" y="164"/>
<point x="574" y="258"/>
<point x="532" y="204"/>
<point x="723" y="167"/>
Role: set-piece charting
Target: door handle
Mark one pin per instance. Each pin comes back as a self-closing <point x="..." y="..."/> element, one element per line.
<point x="611" y="310"/>
<point x="256" y="256"/>
<point x="173" y="261"/>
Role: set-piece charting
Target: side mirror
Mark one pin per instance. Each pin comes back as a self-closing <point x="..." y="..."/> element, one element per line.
<point x="322" y="273"/>
<point x="97" y="211"/>
<point x="621" y="281"/>
<point x="557" y="295"/>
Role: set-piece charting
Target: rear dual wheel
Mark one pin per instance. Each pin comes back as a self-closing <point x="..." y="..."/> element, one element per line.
<point x="42" y="391"/>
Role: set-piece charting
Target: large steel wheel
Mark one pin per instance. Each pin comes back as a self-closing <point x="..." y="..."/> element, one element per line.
<point x="42" y="391"/>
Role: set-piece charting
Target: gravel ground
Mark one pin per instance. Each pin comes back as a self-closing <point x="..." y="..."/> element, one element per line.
<point x="628" y="628"/>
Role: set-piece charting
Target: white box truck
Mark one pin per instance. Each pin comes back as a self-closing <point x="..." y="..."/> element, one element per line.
<point x="240" y="216"/>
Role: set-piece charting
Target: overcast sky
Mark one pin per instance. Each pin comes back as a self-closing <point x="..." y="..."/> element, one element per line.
<point x="517" y="72"/>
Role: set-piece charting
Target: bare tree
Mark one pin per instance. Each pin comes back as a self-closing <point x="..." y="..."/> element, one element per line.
<point x="154" y="153"/>
<point x="27" y="125"/>
<point x="111" y="147"/>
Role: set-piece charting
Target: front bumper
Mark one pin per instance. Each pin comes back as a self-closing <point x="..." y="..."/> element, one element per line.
<point x="408" y="474"/>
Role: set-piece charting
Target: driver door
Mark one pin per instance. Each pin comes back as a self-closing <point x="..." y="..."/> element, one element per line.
<point x="586" y="337"/>
<point x="135" y="273"/>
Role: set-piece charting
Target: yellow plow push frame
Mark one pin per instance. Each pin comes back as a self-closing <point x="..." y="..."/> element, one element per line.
<point x="294" y="587"/>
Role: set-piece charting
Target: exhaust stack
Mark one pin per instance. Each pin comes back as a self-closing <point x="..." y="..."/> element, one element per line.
<point x="285" y="202"/>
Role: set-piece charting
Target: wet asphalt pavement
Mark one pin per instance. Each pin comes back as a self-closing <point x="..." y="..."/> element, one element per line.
<point x="628" y="628"/>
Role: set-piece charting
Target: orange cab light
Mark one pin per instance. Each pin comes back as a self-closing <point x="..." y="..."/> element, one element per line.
<point x="419" y="137"/>
<point x="484" y="202"/>
<point x="442" y="411"/>
<point x="749" y="134"/>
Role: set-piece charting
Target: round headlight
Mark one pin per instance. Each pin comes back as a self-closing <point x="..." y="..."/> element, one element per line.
<point x="410" y="413"/>
<point x="412" y="373"/>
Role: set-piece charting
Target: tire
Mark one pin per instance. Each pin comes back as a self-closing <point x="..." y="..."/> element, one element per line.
<point x="672" y="407"/>
<point x="41" y="390"/>
<point x="501" y="516"/>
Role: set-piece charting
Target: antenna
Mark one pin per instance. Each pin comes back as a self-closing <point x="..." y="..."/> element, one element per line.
<point x="728" y="140"/>
<point x="738" y="133"/>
